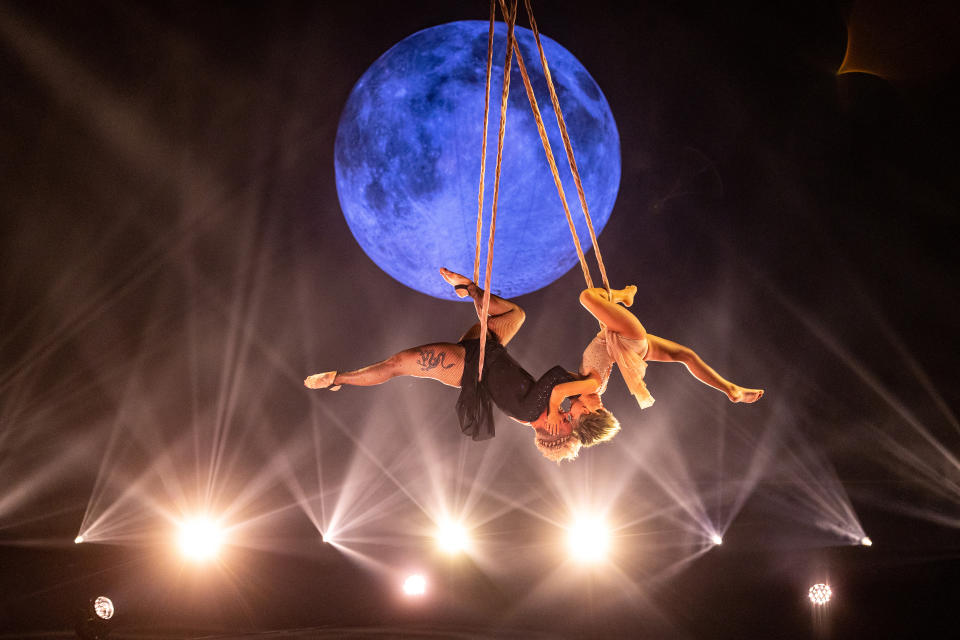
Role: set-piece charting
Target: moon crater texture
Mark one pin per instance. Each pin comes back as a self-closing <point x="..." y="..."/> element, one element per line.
<point x="407" y="160"/>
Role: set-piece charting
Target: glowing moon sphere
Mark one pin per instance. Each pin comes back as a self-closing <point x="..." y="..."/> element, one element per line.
<point x="407" y="160"/>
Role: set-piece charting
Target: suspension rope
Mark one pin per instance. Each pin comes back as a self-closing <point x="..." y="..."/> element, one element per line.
<point x="511" y="19"/>
<point x="548" y="150"/>
<point x="567" y="146"/>
<point x="483" y="149"/>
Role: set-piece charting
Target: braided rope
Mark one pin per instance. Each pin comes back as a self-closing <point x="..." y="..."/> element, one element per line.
<point x="483" y="149"/>
<point x="548" y="150"/>
<point x="511" y="19"/>
<point x="566" y="144"/>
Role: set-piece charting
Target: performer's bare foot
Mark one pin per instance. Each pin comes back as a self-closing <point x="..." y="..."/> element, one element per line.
<point x="456" y="279"/>
<point x="625" y="296"/>
<point x="322" y="381"/>
<point x="740" y="394"/>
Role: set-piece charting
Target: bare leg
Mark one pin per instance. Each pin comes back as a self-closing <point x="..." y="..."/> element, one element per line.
<point x="441" y="361"/>
<point x="504" y="318"/>
<point x="662" y="350"/>
<point x="612" y="315"/>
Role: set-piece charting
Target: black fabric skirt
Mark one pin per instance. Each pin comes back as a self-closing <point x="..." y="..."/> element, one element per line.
<point x="475" y="406"/>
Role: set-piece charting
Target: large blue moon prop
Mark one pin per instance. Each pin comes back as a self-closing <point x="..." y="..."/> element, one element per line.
<point x="407" y="160"/>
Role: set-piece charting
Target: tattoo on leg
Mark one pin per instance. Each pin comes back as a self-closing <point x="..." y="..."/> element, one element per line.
<point x="427" y="360"/>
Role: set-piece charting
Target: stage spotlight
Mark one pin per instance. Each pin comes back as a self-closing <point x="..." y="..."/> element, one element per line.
<point x="103" y="607"/>
<point x="716" y="539"/>
<point x="200" y="539"/>
<point x="415" y="585"/>
<point x="866" y="541"/>
<point x="820" y="594"/>
<point x="452" y="537"/>
<point x="78" y="540"/>
<point x="588" y="540"/>
<point x="94" y="622"/>
<point x="328" y="537"/>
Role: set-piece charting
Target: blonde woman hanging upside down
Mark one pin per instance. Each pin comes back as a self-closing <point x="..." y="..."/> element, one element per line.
<point x="623" y="340"/>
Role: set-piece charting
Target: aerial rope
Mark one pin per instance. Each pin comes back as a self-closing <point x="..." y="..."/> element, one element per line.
<point x="550" y="159"/>
<point x="512" y="46"/>
<point x="483" y="148"/>
<point x="568" y="147"/>
<point x="485" y="307"/>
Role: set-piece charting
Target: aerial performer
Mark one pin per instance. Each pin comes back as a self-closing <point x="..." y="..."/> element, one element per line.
<point x="623" y="340"/>
<point x="537" y="403"/>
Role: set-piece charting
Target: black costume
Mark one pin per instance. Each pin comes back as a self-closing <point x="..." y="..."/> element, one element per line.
<point x="504" y="383"/>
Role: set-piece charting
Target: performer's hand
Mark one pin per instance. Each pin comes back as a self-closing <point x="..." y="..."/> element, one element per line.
<point x="553" y="422"/>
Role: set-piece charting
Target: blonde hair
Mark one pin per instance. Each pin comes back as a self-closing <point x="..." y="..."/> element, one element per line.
<point x="565" y="450"/>
<point x="596" y="427"/>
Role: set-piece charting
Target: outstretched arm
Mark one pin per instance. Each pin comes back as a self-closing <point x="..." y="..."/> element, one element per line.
<point x="662" y="350"/>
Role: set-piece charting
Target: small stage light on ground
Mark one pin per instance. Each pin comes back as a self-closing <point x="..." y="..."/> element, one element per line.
<point x="415" y="585"/>
<point x="200" y="539"/>
<point x="820" y="594"/>
<point x="716" y="539"/>
<point x="95" y="621"/>
<point x="588" y="540"/>
<point x="866" y="541"/>
<point x="452" y="537"/>
<point x="78" y="540"/>
<point x="103" y="607"/>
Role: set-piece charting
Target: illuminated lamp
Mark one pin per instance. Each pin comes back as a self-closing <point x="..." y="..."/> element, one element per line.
<point x="588" y="540"/>
<point x="96" y="619"/>
<point x="820" y="594"/>
<point x="200" y="539"/>
<point x="452" y="537"/>
<point x="415" y="585"/>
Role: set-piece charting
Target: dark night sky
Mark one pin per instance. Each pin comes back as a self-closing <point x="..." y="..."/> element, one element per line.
<point x="173" y="261"/>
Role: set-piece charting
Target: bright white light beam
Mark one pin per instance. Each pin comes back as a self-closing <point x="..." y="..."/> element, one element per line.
<point x="200" y="539"/>
<point x="452" y="537"/>
<point x="588" y="540"/>
<point x="820" y="594"/>
<point x="415" y="585"/>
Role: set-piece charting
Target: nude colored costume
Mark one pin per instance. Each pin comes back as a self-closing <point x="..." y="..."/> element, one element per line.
<point x="608" y="347"/>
